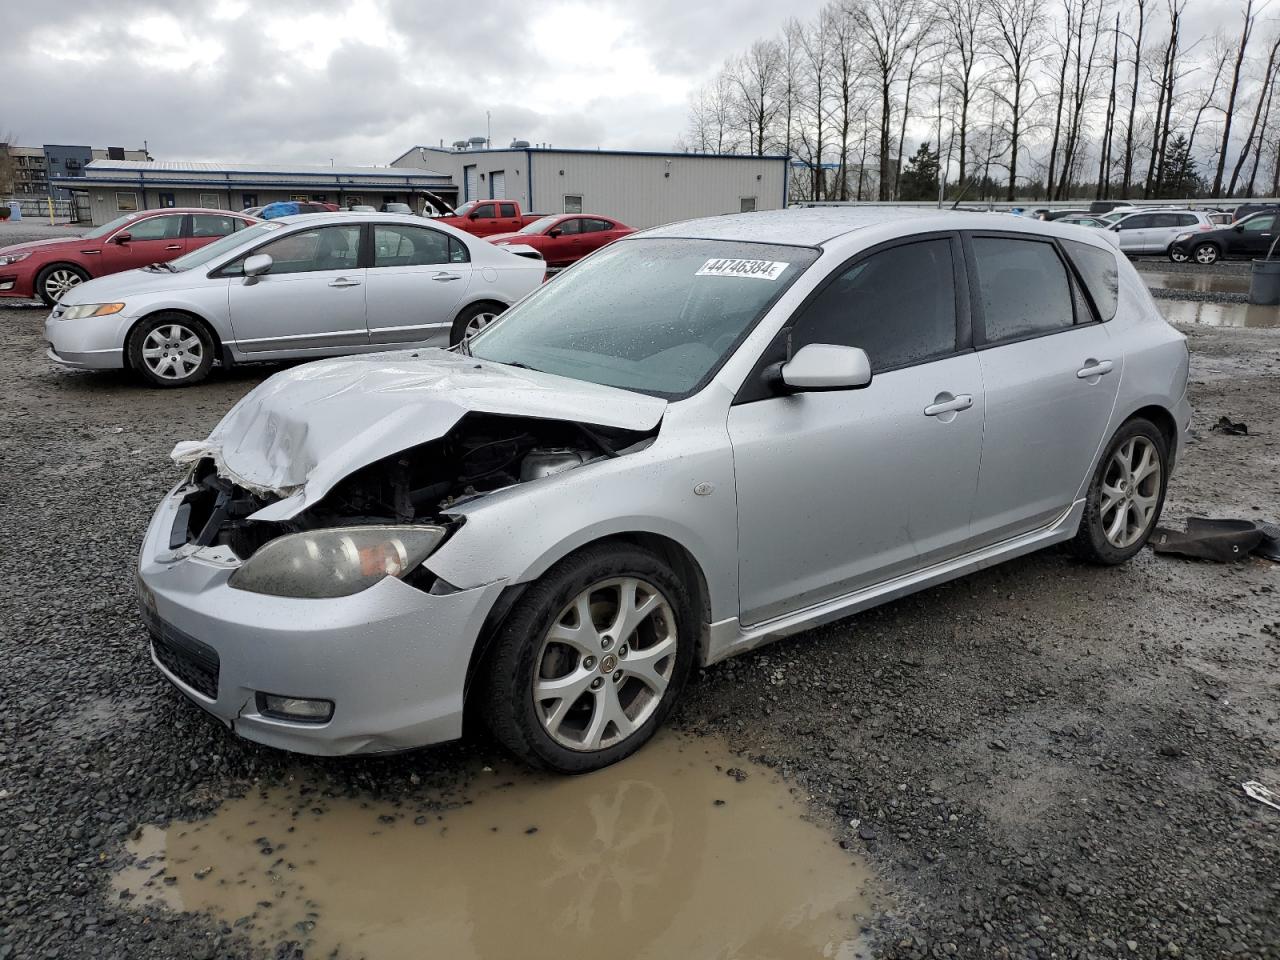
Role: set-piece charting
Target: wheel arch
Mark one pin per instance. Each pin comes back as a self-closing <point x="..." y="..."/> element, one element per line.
<point x="219" y="349"/>
<point x="1164" y="421"/>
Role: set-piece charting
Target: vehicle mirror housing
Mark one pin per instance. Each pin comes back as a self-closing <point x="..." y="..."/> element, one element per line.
<point x="255" y="266"/>
<point x="1239" y="228"/>
<point x="825" y="366"/>
<point x="554" y="233"/>
<point x="473" y="216"/>
<point x="123" y="237"/>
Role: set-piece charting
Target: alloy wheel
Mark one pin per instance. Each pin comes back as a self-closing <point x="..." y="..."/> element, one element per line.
<point x="172" y="351"/>
<point x="478" y="323"/>
<point x="1177" y="256"/>
<point x="605" y="664"/>
<point x="1207" y="254"/>
<point x="58" y="282"/>
<point x="1130" y="492"/>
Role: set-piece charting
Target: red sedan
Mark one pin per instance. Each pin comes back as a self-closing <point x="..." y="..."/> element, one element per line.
<point x="49" y="268"/>
<point x="563" y="239"/>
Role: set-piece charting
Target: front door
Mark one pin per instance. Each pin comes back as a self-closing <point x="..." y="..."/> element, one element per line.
<point x="1135" y="231"/>
<point x="416" y="279"/>
<point x="566" y="245"/>
<point x="844" y="489"/>
<point x="1051" y="374"/>
<point x="150" y="240"/>
<point x="313" y="297"/>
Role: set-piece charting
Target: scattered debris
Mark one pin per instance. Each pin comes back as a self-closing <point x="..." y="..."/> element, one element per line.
<point x="1230" y="427"/>
<point x="1256" y="791"/>
<point x="1224" y="541"/>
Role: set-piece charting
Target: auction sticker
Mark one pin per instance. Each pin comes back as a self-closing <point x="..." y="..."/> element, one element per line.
<point x="759" y="269"/>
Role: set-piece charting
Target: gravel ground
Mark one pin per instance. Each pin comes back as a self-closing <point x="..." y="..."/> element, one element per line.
<point x="1225" y="268"/>
<point x="1044" y="759"/>
<point x="1199" y="296"/>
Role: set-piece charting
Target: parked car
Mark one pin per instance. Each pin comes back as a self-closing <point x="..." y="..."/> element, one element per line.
<point x="48" y="269"/>
<point x="1248" y="238"/>
<point x="1221" y="218"/>
<point x="361" y="208"/>
<point x="705" y="436"/>
<point x="289" y="208"/>
<point x="563" y="239"/>
<point x="1153" y="231"/>
<point x="1107" y="206"/>
<point x="1062" y="214"/>
<point x="487" y="217"/>
<point x="1248" y="209"/>
<point x="395" y="208"/>
<point x="305" y="286"/>
<point x="1084" y="221"/>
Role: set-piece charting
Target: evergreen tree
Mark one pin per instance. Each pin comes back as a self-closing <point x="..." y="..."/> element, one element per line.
<point x="1181" y="174"/>
<point x="920" y="180"/>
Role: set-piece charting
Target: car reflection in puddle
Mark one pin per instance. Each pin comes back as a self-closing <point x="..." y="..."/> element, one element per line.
<point x="681" y="851"/>
<point x="1220" y="314"/>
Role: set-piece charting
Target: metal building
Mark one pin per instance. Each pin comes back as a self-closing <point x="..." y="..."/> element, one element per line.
<point x="640" y="188"/>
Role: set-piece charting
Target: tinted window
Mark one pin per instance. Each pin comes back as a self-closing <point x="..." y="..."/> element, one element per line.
<point x="157" y="228"/>
<point x="898" y="305"/>
<point x="1187" y="219"/>
<point x="212" y="225"/>
<point x="485" y="210"/>
<point x="1260" y="224"/>
<point x="328" y="248"/>
<point x="1101" y="275"/>
<point x="1167" y="220"/>
<point x="1140" y="221"/>
<point x="590" y="225"/>
<point x="396" y="246"/>
<point x="569" y="227"/>
<point x="508" y="209"/>
<point x="1023" y="288"/>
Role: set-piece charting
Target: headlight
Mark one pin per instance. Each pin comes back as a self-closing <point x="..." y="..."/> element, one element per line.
<point x="335" y="563"/>
<point x="8" y="258"/>
<point x="1182" y="236"/>
<point x="82" y="310"/>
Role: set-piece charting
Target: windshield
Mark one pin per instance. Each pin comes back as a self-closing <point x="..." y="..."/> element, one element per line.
<point x="658" y="316"/>
<point x="222" y="245"/>
<point x="542" y="223"/>
<point x="110" y="226"/>
<point x="466" y="208"/>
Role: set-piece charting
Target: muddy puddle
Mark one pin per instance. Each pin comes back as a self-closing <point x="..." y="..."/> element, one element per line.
<point x="1219" y="314"/>
<point x="681" y="851"/>
<point x="1198" y="282"/>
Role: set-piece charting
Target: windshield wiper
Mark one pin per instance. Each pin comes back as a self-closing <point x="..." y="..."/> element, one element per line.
<point x="162" y="266"/>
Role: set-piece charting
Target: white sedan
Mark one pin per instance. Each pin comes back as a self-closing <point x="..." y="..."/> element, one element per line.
<point x="295" y="287"/>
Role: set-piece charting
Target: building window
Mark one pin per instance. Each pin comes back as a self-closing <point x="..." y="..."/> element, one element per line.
<point x="572" y="203"/>
<point x="355" y="200"/>
<point x="747" y="205"/>
<point x="299" y="197"/>
<point x="248" y="200"/>
<point x="210" y="201"/>
<point x="126" y="202"/>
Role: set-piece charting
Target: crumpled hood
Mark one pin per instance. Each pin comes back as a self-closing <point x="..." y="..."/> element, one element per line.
<point x="303" y="430"/>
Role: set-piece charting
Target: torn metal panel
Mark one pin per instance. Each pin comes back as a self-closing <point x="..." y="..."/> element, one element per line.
<point x="305" y="429"/>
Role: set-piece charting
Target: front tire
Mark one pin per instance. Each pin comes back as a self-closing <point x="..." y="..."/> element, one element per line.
<point x="1207" y="254"/>
<point x="590" y="660"/>
<point x="1125" y="496"/>
<point x="171" y="349"/>
<point x="53" y="282"/>
<point x="472" y="320"/>
<point x="1176" y="255"/>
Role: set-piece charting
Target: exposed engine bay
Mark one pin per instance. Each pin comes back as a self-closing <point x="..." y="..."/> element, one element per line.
<point x="483" y="453"/>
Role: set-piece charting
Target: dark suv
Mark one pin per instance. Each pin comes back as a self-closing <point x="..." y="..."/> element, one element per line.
<point x="1243" y="239"/>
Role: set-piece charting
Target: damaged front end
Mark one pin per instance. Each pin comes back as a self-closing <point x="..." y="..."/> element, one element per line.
<point x="386" y="517"/>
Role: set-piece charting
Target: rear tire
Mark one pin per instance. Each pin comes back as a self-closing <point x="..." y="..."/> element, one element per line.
<point x="1125" y="497"/>
<point x="472" y="320"/>
<point x="580" y="675"/>
<point x="53" y="282"/>
<point x="171" y="349"/>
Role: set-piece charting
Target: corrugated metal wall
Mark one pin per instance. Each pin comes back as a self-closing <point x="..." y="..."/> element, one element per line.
<point x="643" y="190"/>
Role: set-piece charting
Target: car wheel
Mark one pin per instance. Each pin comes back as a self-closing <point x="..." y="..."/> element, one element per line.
<point x="1126" y="496"/>
<point x="171" y="350"/>
<point x="472" y="320"/>
<point x="1176" y="255"/>
<point x="590" y="660"/>
<point x="56" y="279"/>
<point x="1206" y="253"/>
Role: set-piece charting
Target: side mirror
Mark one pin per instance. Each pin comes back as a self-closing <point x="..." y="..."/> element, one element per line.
<point x="124" y="237"/>
<point x="825" y="366"/>
<point x="473" y="216"/>
<point x="1239" y="229"/>
<point x="255" y="266"/>
<point x="554" y="233"/>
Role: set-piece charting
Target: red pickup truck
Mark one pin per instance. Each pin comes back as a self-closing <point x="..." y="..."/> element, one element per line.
<point x="485" y="217"/>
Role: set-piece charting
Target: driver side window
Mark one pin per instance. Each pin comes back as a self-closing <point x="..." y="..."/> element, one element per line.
<point x="327" y="248"/>
<point x="156" y="228"/>
<point x="1261" y="224"/>
<point x="569" y="228"/>
<point x="899" y="305"/>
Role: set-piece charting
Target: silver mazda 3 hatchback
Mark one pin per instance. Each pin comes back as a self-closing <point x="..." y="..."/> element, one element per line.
<point x="703" y="437"/>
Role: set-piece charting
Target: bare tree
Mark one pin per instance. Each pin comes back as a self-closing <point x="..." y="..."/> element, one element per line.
<point x="815" y="92"/>
<point x="922" y="51"/>
<point x="1270" y="91"/>
<point x="1108" y="124"/>
<point x="1017" y="31"/>
<point x="847" y="49"/>
<point x="757" y="76"/>
<point x="962" y="23"/>
<point x="1127" y="179"/>
<point x="1088" y="34"/>
<point x="1246" y="33"/>
<point x="1263" y="99"/>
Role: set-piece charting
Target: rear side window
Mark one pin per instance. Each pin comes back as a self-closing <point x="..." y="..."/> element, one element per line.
<point x="403" y="246"/>
<point x="508" y="209"/>
<point x="1023" y="287"/>
<point x="1100" y="273"/>
<point x="213" y="225"/>
<point x="899" y="305"/>
<point x="1188" y="220"/>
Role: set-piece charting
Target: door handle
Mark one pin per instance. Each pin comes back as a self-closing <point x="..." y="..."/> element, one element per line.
<point x="1094" y="368"/>
<point x="445" y="277"/>
<point x="344" y="282"/>
<point x="173" y="246"/>
<point x="963" y="402"/>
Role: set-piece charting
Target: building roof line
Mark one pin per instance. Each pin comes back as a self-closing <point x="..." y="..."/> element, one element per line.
<point x="576" y="150"/>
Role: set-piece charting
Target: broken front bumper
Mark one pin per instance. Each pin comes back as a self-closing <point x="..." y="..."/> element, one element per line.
<point x="392" y="659"/>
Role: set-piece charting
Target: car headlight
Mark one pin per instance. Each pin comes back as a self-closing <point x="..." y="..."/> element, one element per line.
<point x="8" y="258"/>
<point x="336" y="563"/>
<point x="82" y="310"/>
<point x="1182" y="236"/>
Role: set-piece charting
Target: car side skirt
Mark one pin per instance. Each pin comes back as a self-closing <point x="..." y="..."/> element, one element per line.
<point x="727" y="638"/>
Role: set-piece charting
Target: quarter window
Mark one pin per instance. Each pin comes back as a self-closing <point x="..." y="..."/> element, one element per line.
<point x="1023" y="287"/>
<point x="156" y="228"/>
<point x="899" y="305"/>
<point x="399" y="246"/>
<point x="328" y="248"/>
<point x="1101" y="275"/>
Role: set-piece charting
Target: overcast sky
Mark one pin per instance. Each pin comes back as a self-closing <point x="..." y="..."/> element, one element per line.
<point x="360" y="81"/>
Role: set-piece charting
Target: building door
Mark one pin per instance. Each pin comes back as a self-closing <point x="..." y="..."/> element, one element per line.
<point x="167" y="200"/>
<point x="498" y="185"/>
<point x="470" y="185"/>
<point x="248" y="200"/>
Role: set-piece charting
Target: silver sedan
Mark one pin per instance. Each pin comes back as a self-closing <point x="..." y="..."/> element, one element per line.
<point x="699" y="439"/>
<point x="306" y="286"/>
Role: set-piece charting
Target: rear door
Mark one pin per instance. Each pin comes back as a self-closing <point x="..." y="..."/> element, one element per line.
<point x="312" y="298"/>
<point x="416" y="278"/>
<point x="151" y="240"/>
<point x="1051" y="375"/>
<point x="595" y="234"/>
<point x="839" y="490"/>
